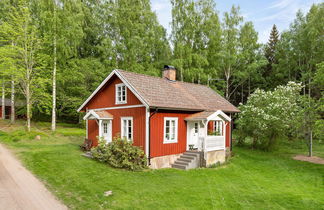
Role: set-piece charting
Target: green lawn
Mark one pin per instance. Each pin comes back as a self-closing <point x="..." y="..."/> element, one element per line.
<point x="252" y="179"/>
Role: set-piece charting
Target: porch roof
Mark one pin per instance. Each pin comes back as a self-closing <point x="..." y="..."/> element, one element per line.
<point x="99" y="115"/>
<point x="208" y="115"/>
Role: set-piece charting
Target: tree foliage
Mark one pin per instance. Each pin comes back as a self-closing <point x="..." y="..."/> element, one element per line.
<point x="268" y="115"/>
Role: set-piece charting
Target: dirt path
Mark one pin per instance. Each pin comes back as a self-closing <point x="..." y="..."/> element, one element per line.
<point x="19" y="189"/>
<point x="312" y="159"/>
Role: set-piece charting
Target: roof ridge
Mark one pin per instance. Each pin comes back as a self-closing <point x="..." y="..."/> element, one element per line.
<point x="160" y="78"/>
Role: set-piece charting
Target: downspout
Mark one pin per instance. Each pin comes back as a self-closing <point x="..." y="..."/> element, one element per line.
<point x="149" y="134"/>
<point x="231" y="147"/>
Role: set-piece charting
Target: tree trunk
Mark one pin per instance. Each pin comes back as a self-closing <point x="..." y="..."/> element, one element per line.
<point x="13" y="111"/>
<point x="28" y="105"/>
<point x="54" y="89"/>
<point x="227" y="87"/>
<point x="3" y="106"/>
<point x="249" y="85"/>
<point x="310" y="143"/>
<point x="54" y="75"/>
<point x="242" y="93"/>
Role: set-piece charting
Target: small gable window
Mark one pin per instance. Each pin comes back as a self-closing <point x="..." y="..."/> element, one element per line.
<point x="121" y="94"/>
<point x="170" y="130"/>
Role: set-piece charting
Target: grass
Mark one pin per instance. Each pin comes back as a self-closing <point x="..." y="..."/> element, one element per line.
<point x="251" y="180"/>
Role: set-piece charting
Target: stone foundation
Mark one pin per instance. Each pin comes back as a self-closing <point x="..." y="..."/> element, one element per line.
<point x="213" y="157"/>
<point x="163" y="161"/>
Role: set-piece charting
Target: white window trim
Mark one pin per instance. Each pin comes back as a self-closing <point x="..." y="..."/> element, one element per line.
<point x="166" y="141"/>
<point x="116" y="95"/>
<point x="221" y="127"/>
<point x="122" y="128"/>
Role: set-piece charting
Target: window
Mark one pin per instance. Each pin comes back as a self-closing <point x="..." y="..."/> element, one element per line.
<point x="218" y="128"/>
<point x="196" y="127"/>
<point x="170" y="129"/>
<point x="105" y="128"/>
<point x="127" y="128"/>
<point x="121" y="97"/>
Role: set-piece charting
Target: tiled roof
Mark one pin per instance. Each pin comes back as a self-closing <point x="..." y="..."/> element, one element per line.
<point x="199" y="115"/>
<point x="104" y="114"/>
<point x="7" y="102"/>
<point x="163" y="93"/>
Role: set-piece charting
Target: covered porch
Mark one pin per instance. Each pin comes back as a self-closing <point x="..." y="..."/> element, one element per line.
<point x="104" y="123"/>
<point x="206" y="131"/>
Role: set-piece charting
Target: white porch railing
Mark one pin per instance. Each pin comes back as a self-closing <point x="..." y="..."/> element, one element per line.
<point x="214" y="143"/>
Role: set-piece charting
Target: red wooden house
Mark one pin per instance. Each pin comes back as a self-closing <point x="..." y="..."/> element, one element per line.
<point x="7" y="108"/>
<point x="176" y="123"/>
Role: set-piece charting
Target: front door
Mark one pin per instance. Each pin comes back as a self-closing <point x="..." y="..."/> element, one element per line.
<point x="193" y="134"/>
<point x="106" y="130"/>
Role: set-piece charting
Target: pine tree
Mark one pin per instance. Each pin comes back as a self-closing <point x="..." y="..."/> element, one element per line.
<point x="270" y="50"/>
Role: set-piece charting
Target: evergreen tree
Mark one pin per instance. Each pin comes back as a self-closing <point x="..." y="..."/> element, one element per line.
<point x="270" y="49"/>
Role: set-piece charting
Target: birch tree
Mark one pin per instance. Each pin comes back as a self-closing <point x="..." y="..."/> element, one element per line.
<point x="231" y="23"/>
<point x="31" y="61"/>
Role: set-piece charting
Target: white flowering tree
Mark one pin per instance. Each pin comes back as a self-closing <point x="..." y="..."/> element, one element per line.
<point x="268" y="115"/>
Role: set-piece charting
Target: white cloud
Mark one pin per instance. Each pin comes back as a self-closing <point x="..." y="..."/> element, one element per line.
<point x="281" y="4"/>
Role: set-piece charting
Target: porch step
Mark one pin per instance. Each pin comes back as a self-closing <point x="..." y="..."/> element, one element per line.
<point x="179" y="166"/>
<point x="187" y="160"/>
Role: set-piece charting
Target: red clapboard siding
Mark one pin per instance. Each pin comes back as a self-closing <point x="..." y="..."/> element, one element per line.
<point x="138" y="115"/>
<point x="228" y="134"/>
<point x="7" y="111"/>
<point x="93" y="132"/>
<point x="106" y="96"/>
<point x="157" y="148"/>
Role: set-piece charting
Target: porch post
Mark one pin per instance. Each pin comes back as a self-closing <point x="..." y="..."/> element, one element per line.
<point x="100" y="123"/>
<point x="205" y="135"/>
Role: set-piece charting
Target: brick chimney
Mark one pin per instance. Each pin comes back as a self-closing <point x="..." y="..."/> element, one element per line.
<point x="169" y="72"/>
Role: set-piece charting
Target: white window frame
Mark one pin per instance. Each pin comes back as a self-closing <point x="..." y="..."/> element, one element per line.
<point x="117" y="101"/>
<point x="218" y="124"/>
<point x="105" y="127"/>
<point x="165" y="140"/>
<point x="196" y="129"/>
<point x="122" y="128"/>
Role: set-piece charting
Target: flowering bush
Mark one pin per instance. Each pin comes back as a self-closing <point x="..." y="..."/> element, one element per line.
<point x="268" y="115"/>
<point x="120" y="153"/>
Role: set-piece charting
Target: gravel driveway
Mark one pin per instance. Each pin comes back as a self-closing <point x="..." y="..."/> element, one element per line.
<point x="19" y="189"/>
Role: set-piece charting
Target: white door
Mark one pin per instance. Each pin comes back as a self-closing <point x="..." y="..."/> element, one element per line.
<point x="193" y="134"/>
<point x="106" y="130"/>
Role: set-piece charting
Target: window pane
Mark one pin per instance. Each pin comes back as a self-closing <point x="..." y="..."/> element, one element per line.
<point x="124" y="128"/>
<point x="173" y="129"/>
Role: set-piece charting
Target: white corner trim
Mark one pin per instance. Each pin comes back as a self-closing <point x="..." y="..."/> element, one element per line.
<point x="147" y="127"/>
<point x="165" y="141"/>
<point x="87" y="134"/>
<point x="128" y="85"/>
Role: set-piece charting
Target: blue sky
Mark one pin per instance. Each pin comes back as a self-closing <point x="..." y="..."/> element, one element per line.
<point x="263" y="13"/>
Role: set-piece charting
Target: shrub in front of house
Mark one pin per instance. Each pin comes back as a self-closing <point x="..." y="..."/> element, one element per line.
<point x="120" y="153"/>
<point x="100" y="152"/>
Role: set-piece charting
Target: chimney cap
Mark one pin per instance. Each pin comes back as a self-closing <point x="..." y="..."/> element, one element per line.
<point x="167" y="67"/>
